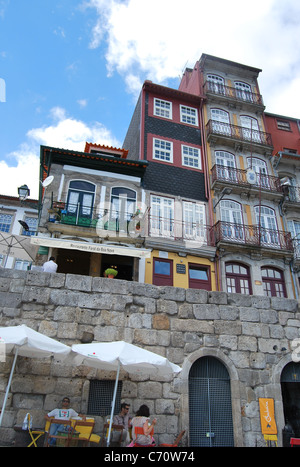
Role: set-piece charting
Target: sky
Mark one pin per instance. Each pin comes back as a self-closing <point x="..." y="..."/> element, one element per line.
<point x="71" y="70"/>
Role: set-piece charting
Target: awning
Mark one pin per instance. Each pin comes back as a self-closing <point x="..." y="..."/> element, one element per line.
<point x="103" y="248"/>
<point x="17" y="246"/>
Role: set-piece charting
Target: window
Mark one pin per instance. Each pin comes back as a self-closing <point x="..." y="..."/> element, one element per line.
<point x="22" y="265"/>
<point x="199" y="277"/>
<point x="101" y="396"/>
<point x="238" y="279"/>
<point x="5" y="222"/>
<point x="260" y="168"/>
<point x="243" y="91"/>
<point x="191" y="157"/>
<point x="283" y="125"/>
<point x="232" y="221"/>
<point x="273" y="282"/>
<point x="162" y="108"/>
<point x="162" y="271"/>
<point x="221" y="122"/>
<point x="80" y="200"/>
<point x="123" y="202"/>
<point x="188" y="115"/>
<point x="194" y="222"/>
<point x="162" y="216"/>
<point x="162" y="150"/>
<point x="250" y="129"/>
<point x="216" y="84"/>
<point x="268" y="223"/>
<point x="226" y="166"/>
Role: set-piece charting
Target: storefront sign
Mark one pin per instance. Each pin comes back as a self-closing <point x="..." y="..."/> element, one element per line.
<point x="267" y="416"/>
<point x="91" y="247"/>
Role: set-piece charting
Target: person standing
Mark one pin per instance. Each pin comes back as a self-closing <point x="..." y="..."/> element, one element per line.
<point x="50" y="266"/>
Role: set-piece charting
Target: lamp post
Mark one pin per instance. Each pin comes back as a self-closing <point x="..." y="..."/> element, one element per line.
<point x="23" y="192"/>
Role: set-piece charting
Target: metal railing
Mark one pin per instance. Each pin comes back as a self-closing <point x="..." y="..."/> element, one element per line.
<point x="233" y="93"/>
<point x="216" y="128"/>
<point x="252" y="235"/>
<point x="239" y="177"/>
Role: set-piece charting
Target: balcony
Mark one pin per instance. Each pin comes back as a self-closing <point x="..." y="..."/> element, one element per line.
<point x="236" y="179"/>
<point x="238" y="137"/>
<point x="252" y="236"/>
<point x="292" y="197"/>
<point x="239" y="96"/>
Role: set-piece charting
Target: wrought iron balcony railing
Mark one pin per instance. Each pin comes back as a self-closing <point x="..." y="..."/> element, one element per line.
<point x="239" y="133"/>
<point x="110" y="222"/>
<point x="239" y="177"/>
<point x="233" y="93"/>
<point x="252" y="235"/>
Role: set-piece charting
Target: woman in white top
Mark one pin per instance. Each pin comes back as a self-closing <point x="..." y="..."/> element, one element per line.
<point x="142" y="420"/>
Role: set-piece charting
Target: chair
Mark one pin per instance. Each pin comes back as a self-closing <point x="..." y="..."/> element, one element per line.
<point x="139" y="430"/>
<point x="176" y="442"/>
<point x="34" y="434"/>
<point x="64" y="438"/>
<point x="85" y="430"/>
<point x="294" y="442"/>
<point x="114" y="427"/>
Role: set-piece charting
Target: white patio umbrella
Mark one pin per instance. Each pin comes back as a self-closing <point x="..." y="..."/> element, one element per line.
<point x="24" y="341"/>
<point x="116" y="355"/>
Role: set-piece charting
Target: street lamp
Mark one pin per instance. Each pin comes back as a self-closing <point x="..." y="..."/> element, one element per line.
<point x="24" y="192"/>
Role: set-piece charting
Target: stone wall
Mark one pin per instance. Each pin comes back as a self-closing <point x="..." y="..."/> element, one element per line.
<point x="251" y="335"/>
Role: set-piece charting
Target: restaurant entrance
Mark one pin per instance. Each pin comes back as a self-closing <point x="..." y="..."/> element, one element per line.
<point x="73" y="261"/>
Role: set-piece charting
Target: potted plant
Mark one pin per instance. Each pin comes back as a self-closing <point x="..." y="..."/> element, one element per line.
<point x="111" y="272"/>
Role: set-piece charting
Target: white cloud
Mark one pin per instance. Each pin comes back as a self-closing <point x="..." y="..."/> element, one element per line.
<point x="157" y="40"/>
<point x="65" y="132"/>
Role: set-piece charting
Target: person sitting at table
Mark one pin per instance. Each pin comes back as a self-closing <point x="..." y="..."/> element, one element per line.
<point x="65" y="413"/>
<point x="124" y="419"/>
<point x="141" y="419"/>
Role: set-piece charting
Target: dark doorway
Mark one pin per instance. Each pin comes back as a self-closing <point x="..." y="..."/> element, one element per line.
<point x="124" y="266"/>
<point x="290" y="387"/>
<point x="73" y="262"/>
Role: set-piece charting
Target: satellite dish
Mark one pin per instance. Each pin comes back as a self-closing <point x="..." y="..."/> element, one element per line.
<point x="48" y="181"/>
<point x="251" y="176"/>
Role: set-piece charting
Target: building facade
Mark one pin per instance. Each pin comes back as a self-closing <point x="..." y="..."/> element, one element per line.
<point x="285" y="162"/>
<point x="166" y="131"/>
<point x="88" y="214"/>
<point x="254" y="248"/>
<point x="18" y="222"/>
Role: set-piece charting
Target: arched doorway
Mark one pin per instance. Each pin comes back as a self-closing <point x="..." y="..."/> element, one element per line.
<point x="210" y="408"/>
<point x="290" y="388"/>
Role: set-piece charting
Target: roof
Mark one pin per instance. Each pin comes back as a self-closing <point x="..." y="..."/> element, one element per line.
<point x="123" y="153"/>
<point x="50" y="155"/>
<point x="174" y="93"/>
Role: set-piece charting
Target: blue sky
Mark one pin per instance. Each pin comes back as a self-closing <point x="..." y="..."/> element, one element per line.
<point x="73" y="69"/>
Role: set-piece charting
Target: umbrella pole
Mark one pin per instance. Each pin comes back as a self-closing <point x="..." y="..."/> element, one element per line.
<point x="8" y="385"/>
<point x="113" y="403"/>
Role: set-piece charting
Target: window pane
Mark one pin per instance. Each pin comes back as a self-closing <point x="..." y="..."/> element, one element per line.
<point x="198" y="273"/>
<point x="162" y="267"/>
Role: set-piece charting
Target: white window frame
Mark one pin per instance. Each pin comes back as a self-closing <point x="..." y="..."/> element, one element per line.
<point x="162" y="216"/>
<point x="161" y="152"/>
<point x="162" y="108"/>
<point x="194" y="216"/>
<point x="192" y="156"/>
<point x="188" y="115"/>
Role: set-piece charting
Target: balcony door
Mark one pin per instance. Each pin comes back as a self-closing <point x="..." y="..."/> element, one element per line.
<point x="266" y="218"/>
<point x="162" y="216"/>
<point x="260" y="168"/>
<point x="226" y="167"/>
<point x="80" y="202"/>
<point x="250" y="129"/>
<point x="220" y="122"/>
<point x="123" y="206"/>
<point x="232" y="221"/>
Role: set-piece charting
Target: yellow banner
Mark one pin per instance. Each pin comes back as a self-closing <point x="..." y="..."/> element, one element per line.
<point x="267" y="416"/>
